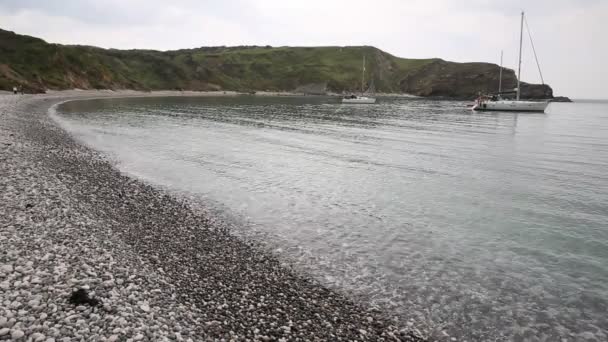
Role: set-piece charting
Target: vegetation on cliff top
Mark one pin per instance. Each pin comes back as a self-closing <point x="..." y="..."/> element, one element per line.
<point x="37" y="65"/>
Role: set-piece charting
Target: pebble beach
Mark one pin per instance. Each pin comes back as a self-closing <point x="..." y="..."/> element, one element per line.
<point x="157" y="269"/>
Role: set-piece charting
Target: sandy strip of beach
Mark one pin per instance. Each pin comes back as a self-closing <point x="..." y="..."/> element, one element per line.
<point x="160" y="271"/>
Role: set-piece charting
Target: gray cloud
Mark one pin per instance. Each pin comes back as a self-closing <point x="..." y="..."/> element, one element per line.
<point x="124" y="13"/>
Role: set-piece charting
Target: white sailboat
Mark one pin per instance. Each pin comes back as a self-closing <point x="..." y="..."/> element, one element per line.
<point x="496" y="103"/>
<point x="359" y="99"/>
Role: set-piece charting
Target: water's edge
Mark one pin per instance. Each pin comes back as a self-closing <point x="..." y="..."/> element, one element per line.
<point x="262" y="250"/>
<point x="422" y="206"/>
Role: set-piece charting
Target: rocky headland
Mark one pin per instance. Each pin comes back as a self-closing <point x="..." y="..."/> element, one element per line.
<point x="37" y="66"/>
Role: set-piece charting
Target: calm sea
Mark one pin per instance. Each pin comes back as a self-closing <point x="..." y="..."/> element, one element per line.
<point x="485" y="226"/>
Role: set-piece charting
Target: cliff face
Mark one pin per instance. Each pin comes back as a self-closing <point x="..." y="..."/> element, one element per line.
<point x="464" y="80"/>
<point x="37" y="66"/>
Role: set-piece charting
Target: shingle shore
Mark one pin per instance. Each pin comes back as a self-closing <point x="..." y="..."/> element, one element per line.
<point x="161" y="271"/>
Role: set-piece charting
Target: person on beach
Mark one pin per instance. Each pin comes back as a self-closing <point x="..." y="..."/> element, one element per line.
<point x="15" y="90"/>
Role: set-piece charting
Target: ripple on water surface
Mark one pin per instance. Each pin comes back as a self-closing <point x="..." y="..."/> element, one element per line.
<point x="487" y="226"/>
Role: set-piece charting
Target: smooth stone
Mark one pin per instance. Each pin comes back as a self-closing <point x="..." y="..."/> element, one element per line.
<point x="16" y="334"/>
<point x="7" y="268"/>
<point x="37" y="337"/>
<point x="4" y="331"/>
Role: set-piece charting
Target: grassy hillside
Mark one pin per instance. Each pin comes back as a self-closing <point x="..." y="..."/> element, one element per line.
<point x="37" y="65"/>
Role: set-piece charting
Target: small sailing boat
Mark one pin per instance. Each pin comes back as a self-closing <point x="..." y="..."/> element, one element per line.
<point x="497" y="103"/>
<point x="359" y="99"/>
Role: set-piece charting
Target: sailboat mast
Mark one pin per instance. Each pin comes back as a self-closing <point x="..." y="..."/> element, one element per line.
<point x="363" y="75"/>
<point x="500" y="74"/>
<point x="521" y="38"/>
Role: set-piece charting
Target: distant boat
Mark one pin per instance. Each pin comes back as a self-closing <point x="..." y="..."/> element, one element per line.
<point x="487" y="103"/>
<point x="359" y="99"/>
<point x="497" y="103"/>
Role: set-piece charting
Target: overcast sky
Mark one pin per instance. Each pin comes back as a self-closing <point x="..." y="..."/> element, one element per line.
<point x="570" y="35"/>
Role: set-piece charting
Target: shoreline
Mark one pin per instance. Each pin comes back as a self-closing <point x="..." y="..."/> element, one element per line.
<point x="194" y="93"/>
<point x="161" y="271"/>
<point x="231" y="93"/>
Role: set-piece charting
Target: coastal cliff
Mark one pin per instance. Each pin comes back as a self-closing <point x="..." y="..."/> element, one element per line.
<point x="37" y="66"/>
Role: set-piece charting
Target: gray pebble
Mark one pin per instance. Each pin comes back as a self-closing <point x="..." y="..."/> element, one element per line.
<point x="17" y="334"/>
<point x="37" y="337"/>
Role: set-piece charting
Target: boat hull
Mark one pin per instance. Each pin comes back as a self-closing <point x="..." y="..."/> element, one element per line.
<point x="511" y="106"/>
<point x="360" y="100"/>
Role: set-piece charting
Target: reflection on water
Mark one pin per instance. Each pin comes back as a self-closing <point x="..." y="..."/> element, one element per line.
<point x="488" y="226"/>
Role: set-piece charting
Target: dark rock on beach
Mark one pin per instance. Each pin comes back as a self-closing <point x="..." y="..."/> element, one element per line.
<point x="81" y="297"/>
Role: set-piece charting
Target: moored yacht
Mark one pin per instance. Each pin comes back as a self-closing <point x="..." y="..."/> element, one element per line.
<point x="360" y="99"/>
<point x="497" y="103"/>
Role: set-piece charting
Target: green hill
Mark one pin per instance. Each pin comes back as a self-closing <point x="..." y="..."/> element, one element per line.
<point x="37" y="66"/>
